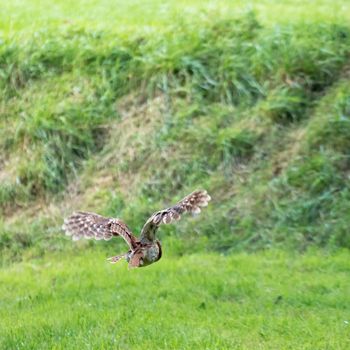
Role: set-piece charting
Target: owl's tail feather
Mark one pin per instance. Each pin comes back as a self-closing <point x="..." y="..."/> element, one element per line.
<point x="115" y="259"/>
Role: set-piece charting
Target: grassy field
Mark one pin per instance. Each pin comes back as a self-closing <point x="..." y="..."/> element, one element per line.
<point x="25" y="17"/>
<point x="122" y="108"/>
<point x="270" y="300"/>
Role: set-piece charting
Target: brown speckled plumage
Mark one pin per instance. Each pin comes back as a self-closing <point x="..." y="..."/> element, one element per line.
<point x="145" y="250"/>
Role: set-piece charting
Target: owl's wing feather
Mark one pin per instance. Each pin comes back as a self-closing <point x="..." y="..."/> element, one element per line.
<point x="90" y="225"/>
<point x="191" y="203"/>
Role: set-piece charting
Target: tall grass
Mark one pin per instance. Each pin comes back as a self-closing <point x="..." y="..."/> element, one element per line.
<point x="211" y="103"/>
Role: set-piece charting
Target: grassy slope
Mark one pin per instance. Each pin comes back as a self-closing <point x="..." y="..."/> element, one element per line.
<point x="264" y="300"/>
<point x="127" y="124"/>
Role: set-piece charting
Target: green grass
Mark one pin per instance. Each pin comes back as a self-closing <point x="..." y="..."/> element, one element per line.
<point x="270" y="300"/>
<point x="25" y="17"/>
<point x="136" y="121"/>
<point x="122" y="108"/>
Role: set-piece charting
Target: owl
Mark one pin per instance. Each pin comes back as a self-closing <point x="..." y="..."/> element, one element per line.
<point x="144" y="250"/>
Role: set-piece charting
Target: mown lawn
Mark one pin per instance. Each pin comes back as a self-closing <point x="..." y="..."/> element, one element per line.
<point x="28" y="16"/>
<point x="270" y="300"/>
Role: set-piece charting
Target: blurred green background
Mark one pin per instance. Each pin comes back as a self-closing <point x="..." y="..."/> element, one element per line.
<point x="123" y="108"/>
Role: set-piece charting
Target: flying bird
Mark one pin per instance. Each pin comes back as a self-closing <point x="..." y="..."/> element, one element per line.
<point x="142" y="251"/>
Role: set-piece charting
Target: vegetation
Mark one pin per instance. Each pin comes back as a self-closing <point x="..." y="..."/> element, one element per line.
<point x="124" y="119"/>
<point x="265" y="301"/>
<point x="256" y="114"/>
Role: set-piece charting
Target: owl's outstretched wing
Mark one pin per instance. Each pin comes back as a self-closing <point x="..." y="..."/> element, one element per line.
<point x="90" y="225"/>
<point x="191" y="203"/>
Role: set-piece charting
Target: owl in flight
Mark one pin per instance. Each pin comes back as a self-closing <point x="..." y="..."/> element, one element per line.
<point x="145" y="250"/>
